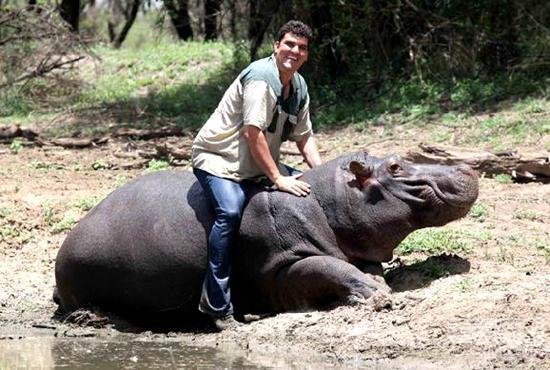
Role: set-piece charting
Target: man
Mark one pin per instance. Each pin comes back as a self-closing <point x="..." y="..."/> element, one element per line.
<point x="267" y="104"/>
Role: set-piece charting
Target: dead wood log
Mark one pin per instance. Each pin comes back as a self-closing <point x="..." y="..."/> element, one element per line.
<point x="131" y="165"/>
<point x="78" y="143"/>
<point x="14" y="131"/>
<point x="166" y="150"/>
<point x="526" y="167"/>
<point x="146" y="134"/>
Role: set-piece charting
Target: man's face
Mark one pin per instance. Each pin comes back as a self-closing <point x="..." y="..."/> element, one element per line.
<point x="291" y="52"/>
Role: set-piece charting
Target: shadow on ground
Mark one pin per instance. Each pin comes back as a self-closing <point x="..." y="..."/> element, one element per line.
<point x="421" y="274"/>
<point x="96" y="318"/>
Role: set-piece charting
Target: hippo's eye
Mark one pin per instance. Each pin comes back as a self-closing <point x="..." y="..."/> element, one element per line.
<point x="394" y="168"/>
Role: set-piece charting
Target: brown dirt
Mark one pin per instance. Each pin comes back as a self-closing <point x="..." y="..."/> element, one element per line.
<point x="490" y="309"/>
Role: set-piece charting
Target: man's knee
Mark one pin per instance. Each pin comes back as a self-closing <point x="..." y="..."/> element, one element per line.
<point x="231" y="215"/>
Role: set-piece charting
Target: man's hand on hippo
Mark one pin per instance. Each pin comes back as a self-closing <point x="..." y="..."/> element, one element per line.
<point x="292" y="185"/>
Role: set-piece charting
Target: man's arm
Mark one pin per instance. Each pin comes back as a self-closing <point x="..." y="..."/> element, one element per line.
<point x="308" y="148"/>
<point x="259" y="149"/>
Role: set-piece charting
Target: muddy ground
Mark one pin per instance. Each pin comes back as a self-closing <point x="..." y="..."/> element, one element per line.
<point x="484" y="307"/>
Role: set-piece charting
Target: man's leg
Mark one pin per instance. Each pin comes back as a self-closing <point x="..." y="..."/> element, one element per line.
<point x="228" y="199"/>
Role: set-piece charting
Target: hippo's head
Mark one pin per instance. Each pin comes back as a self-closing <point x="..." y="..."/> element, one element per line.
<point x="436" y="194"/>
<point x="376" y="202"/>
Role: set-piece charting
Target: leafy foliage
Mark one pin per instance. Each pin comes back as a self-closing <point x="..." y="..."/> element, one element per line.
<point x="35" y="44"/>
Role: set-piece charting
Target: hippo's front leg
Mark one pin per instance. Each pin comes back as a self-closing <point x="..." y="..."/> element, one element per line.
<point x="321" y="279"/>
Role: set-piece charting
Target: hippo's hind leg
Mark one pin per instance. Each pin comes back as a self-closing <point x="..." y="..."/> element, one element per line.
<point x="318" y="280"/>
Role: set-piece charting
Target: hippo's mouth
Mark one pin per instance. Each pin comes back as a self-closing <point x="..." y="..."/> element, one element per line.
<point x="454" y="191"/>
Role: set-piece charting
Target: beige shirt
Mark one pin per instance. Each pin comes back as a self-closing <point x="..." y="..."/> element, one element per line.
<point x="220" y="147"/>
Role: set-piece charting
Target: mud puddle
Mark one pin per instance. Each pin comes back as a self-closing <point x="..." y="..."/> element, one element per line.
<point x="47" y="352"/>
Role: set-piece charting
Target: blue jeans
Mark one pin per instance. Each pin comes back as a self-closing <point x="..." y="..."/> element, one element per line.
<point x="228" y="199"/>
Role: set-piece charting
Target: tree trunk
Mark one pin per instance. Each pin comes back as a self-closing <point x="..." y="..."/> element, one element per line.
<point x="321" y="19"/>
<point x="232" y="7"/>
<point x="70" y="12"/>
<point x="501" y="49"/>
<point x="178" y="11"/>
<point x="129" y="13"/>
<point x="261" y="15"/>
<point x="211" y="10"/>
<point x="129" y="22"/>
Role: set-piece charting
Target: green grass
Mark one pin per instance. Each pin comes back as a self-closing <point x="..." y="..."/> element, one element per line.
<point x="9" y="231"/>
<point x="464" y="286"/>
<point x="479" y="211"/>
<point x="87" y="203"/>
<point x="14" y="233"/>
<point x="433" y="241"/>
<point x="64" y="224"/>
<point x="48" y="214"/>
<point x="99" y="165"/>
<point x="528" y="215"/>
<point x="160" y="83"/>
<point x="5" y="212"/>
<point x="178" y="82"/>
<point x="39" y="165"/>
<point x="16" y="146"/>
<point x="53" y="218"/>
<point x="155" y="80"/>
<point x="503" y="179"/>
<point x="157" y="165"/>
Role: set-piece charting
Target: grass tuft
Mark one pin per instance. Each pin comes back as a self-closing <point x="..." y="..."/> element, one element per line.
<point x="479" y="211"/>
<point x="503" y="179"/>
<point x="433" y="241"/>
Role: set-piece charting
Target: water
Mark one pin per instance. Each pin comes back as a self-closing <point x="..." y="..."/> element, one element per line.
<point x="48" y="352"/>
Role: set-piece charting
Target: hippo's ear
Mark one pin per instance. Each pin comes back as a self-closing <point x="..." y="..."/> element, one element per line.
<point x="361" y="171"/>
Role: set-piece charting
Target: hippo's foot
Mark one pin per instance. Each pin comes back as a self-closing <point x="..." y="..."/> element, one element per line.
<point x="85" y="317"/>
<point x="321" y="280"/>
<point x="379" y="301"/>
<point x="370" y="288"/>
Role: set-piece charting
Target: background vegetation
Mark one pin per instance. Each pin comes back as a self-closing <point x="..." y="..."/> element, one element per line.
<point x="141" y="63"/>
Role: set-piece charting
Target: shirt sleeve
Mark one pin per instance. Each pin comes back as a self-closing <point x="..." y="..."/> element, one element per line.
<point x="258" y="104"/>
<point x="303" y="126"/>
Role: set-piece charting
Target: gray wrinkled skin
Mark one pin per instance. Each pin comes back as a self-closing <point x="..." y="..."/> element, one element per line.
<point x="143" y="249"/>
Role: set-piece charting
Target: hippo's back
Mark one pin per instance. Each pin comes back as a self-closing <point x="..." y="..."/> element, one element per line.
<point x="142" y="249"/>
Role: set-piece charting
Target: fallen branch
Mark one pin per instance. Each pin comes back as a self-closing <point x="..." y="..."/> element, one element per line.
<point x="149" y="134"/>
<point x="14" y="131"/>
<point x="41" y="70"/>
<point x="131" y="165"/>
<point x="533" y="167"/>
<point x="166" y="150"/>
<point x="78" y="143"/>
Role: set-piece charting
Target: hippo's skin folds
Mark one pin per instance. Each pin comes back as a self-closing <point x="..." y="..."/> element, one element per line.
<point x="142" y="250"/>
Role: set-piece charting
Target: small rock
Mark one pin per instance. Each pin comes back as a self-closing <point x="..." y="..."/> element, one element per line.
<point x="381" y="301"/>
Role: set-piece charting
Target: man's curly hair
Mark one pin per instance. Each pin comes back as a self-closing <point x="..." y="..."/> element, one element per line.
<point x="298" y="28"/>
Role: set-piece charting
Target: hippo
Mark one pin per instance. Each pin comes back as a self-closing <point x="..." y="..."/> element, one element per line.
<point x="143" y="249"/>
